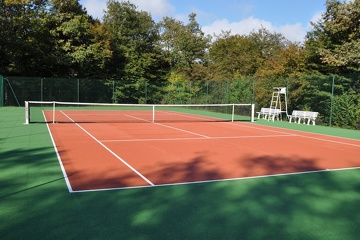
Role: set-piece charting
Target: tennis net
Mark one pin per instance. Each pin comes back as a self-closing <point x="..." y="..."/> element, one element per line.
<point x="70" y="112"/>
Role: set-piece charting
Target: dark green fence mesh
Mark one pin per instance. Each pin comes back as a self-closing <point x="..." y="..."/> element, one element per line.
<point x="17" y="90"/>
<point x="336" y="98"/>
<point x="1" y="91"/>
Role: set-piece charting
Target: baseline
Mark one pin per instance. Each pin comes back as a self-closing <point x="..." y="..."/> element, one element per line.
<point x="219" y="180"/>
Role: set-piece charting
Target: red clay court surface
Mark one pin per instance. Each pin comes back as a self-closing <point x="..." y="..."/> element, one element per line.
<point x="103" y="156"/>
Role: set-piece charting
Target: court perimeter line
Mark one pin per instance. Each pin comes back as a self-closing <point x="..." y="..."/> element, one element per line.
<point x="114" y="154"/>
<point x="218" y="180"/>
<point x="179" y="139"/>
<point x="58" y="157"/>
<point x="287" y="131"/>
<point x="332" y="141"/>
<point x="265" y="128"/>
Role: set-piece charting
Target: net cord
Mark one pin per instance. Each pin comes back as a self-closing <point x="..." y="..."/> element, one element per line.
<point x="54" y="103"/>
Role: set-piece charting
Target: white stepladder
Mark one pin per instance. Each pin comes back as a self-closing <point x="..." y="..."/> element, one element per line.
<point x="276" y="108"/>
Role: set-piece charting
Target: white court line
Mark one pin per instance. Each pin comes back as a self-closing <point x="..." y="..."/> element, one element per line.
<point x="58" y="157"/>
<point x="114" y="154"/>
<point x="182" y="130"/>
<point x="285" y="134"/>
<point x="188" y="115"/>
<point x="180" y="139"/>
<point x="178" y="129"/>
<point x="219" y="180"/>
<point x="204" y="118"/>
<point x="259" y="128"/>
<point x="332" y="141"/>
<point x="225" y="122"/>
<point x="303" y="132"/>
<point x="264" y="128"/>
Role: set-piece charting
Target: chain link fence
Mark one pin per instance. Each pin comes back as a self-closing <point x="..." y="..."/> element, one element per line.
<point x="17" y="90"/>
<point x="336" y="98"/>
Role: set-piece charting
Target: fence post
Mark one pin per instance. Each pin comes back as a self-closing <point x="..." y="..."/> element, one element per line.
<point x="113" y="91"/>
<point x="227" y="91"/>
<point x="190" y="83"/>
<point x="146" y="93"/>
<point x="253" y="91"/>
<point x="78" y="90"/>
<point x="332" y="99"/>
<point x="1" y="91"/>
<point x="207" y="92"/>
<point x="41" y="89"/>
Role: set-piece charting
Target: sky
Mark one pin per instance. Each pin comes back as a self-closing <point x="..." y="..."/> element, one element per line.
<point x="289" y="17"/>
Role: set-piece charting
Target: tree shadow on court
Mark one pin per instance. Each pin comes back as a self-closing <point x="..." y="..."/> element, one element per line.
<point x="35" y="203"/>
<point x="310" y="206"/>
<point x="196" y="169"/>
<point x="277" y="164"/>
<point x="19" y="168"/>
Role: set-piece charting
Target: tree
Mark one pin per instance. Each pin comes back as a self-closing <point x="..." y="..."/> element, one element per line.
<point x="24" y="42"/>
<point x="81" y="47"/>
<point x="286" y="62"/>
<point x="268" y="44"/>
<point x="50" y="38"/>
<point x="335" y="40"/>
<point x="273" y="50"/>
<point x="233" y="55"/>
<point x="347" y="111"/>
<point x="333" y="46"/>
<point x="184" y="46"/>
<point x="136" y="57"/>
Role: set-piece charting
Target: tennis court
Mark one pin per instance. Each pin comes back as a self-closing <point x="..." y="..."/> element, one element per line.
<point x="98" y="153"/>
<point x="212" y="179"/>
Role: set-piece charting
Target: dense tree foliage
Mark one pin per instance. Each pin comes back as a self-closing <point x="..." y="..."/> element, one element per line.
<point x="335" y="40"/>
<point x="341" y="29"/>
<point x="183" y="45"/>
<point x="233" y="55"/>
<point x="25" y="39"/>
<point x="333" y="47"/>
<point x="136" y="56"/>
<point x="172" y="61"/>
<point x="81" y="47"/>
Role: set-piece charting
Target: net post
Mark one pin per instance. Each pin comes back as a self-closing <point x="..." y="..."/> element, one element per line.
<point x="153" y="113"/>
<point x="252" y="112"/>
<point x="27" y="113"/>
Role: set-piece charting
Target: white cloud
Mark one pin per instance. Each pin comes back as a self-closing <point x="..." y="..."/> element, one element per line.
<point x="315" y="18"/>
<point x="160" y="8"/>
<point x="157" y="8"/>
<point x="95" y="8"/>
<point x="293" y="32"/>
<point x="242" y="27"/>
